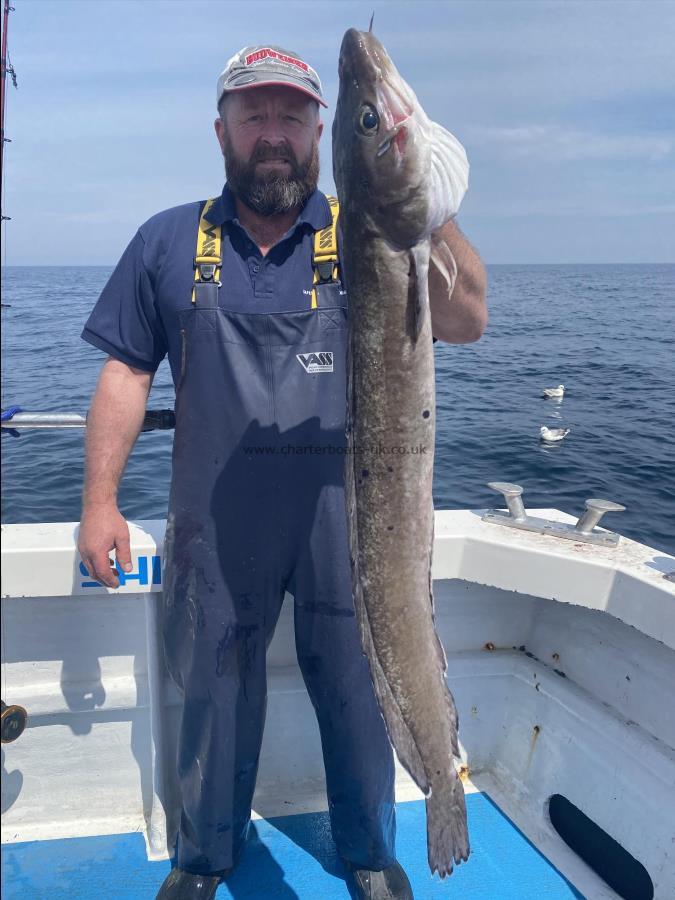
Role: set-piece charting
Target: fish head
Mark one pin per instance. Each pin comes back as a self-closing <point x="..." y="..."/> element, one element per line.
<point x="403" y="171"/>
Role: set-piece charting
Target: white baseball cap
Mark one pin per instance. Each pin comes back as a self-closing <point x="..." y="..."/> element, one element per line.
<point x="267" y="64"/>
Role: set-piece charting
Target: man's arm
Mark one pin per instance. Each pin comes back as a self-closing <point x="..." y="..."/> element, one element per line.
<point x="461" y="317"/>
<point x="113" y="424"/>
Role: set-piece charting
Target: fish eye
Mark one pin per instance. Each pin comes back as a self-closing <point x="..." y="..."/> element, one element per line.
<point x="369" y="121"/>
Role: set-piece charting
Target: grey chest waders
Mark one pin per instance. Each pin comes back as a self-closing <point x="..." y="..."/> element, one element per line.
<point x="257" y="508"/>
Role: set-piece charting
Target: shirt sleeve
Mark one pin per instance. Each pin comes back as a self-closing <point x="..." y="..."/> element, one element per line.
<point x="125" y="322"/>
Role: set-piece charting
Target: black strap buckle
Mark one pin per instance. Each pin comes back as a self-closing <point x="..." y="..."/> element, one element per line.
<point x="325" y="270"/>
<point x="207" y="271"/>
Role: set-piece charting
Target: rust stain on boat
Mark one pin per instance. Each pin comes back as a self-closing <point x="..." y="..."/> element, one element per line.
<point x="536" y="731"/>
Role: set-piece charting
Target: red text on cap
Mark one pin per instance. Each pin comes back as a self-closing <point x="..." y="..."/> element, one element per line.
<point x="267" y="53"/>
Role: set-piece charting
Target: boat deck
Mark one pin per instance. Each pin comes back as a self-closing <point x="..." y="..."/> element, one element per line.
<point x="561" y="659"/>
<point x="290" y="858"/>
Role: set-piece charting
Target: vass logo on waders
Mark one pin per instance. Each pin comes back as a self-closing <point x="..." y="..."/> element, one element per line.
<point x="321" y="361"/>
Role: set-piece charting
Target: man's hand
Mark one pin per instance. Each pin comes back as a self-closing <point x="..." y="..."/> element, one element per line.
<point x="113" y="424"/>
<point x="102" y="530"/>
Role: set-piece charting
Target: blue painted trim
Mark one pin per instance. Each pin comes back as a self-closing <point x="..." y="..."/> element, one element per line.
<point x="290" y="858"/>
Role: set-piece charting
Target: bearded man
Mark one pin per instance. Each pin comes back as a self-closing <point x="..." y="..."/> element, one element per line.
<point x="255" y="334"/>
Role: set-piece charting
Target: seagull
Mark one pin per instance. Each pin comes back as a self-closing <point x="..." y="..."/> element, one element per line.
<point x="553" y="434"/>
<point x="549" y="393"/>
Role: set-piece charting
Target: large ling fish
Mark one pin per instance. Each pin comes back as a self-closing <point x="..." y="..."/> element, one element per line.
<point x="399" y="177"/>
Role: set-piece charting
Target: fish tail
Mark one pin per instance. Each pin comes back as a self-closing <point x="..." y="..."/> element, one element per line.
<point x="447" y="831"/>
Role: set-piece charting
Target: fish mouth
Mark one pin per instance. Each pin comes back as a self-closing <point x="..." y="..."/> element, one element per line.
<point x="396" y="111"/>
<point x="398" y="137"/>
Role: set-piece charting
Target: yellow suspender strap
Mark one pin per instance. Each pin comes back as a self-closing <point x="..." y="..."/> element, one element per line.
<point x="324" y="253"/>
<point x="208" y="258"/>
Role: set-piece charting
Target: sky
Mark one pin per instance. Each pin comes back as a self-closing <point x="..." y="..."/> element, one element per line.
<point x="566" y="110"/>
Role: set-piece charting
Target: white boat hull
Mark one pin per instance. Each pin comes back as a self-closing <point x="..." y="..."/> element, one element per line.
<point x="561" y="660"/>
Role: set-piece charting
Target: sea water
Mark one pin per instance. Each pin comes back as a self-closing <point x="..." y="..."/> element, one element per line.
<point x="604" y="331"/>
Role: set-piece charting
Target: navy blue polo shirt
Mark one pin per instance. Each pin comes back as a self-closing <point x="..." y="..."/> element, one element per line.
<point x="135" y="319"/>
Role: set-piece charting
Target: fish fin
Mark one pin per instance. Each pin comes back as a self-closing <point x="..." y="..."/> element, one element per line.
<point x="448" y="178"/>
<point x="444" y="261"/>
<point x="443" y="660"/>
<point x="454" y="720"/>
<point x="447" y="831"/>
<point x="399" y="734"/>
<point x="440" y="649"/>
<point x="418" y="289"/>
<point x="449" y="699"/>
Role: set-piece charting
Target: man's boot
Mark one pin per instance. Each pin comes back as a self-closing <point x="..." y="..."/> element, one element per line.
<point x="389" y="884"/>
<point x="180" y="885"/>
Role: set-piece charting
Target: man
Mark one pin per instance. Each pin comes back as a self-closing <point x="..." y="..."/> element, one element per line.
<point x="251" y="514"/>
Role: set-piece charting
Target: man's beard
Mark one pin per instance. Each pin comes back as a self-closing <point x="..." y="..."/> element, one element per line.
<point x="273" y="192"/>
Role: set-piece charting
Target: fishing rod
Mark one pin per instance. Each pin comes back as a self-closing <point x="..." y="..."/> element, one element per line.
<point x="6" y="67"/>
<point x="13" y="718"/>
<point x="15" y="419"/>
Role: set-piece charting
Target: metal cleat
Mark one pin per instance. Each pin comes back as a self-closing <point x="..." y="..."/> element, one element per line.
<point x="584" y="530"/>
<point x="512" y="495"/>
<point x="595" y="510"/>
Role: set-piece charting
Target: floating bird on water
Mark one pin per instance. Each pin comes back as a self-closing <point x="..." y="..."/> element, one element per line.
<point x="554" y="392"/>
<point x="553" y="434"/>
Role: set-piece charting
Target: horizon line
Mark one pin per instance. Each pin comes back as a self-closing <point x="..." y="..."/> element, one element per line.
<point x="553" y="263"/>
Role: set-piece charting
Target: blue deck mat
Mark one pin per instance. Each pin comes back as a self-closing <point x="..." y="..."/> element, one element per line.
<point x="290" y="858"/>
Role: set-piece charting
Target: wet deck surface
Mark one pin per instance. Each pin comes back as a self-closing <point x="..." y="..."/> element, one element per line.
<point x="290" y="858"/>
